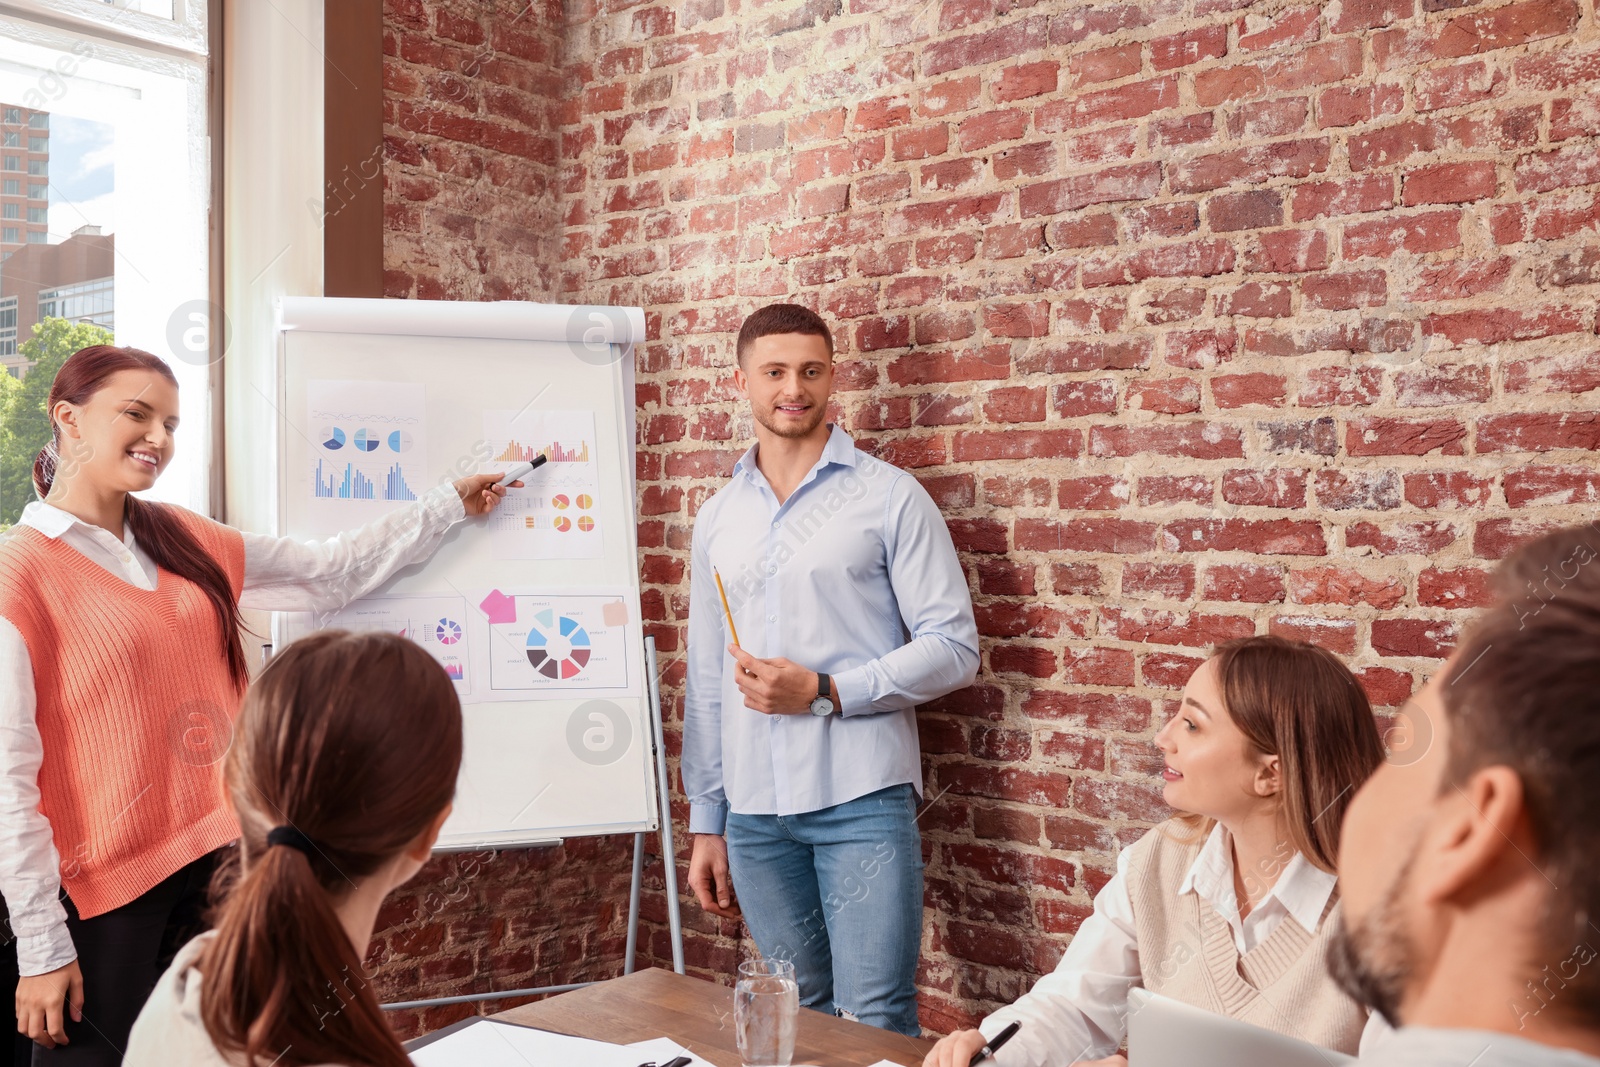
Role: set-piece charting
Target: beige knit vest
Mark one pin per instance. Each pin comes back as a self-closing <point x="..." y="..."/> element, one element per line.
<point x="1187" y="952"/>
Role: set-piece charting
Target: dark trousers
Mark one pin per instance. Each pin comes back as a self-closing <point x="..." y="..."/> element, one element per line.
<point x="122" y="953"/>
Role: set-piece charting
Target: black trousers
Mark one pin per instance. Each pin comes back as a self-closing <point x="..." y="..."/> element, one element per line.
<point x="122" y="953"/>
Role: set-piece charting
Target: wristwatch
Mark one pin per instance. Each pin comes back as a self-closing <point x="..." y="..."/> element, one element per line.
<point x="823" y="705"/>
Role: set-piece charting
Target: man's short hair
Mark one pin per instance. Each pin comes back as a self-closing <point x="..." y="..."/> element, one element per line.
<point x="1524" y="692"/>
<point x="781" y="318"/>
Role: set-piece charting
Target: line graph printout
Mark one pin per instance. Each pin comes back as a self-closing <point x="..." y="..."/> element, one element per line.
<point x="438" y="624"/>
<point x="555" y="515"/>
<point x="367" y="448"/>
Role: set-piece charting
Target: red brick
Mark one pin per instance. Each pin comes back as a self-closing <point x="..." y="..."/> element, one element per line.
<point x="1338" y="585"/>
<point x="1250" y="165"/>
<point x="1251" y="210"/>
<point x="1075" y="579"/>
<point x="1350" y="196"/>
<point x="1075" y="399"/>
<point x="1097" y="492"/>
<point x="1447" y="490"/>
<point x="1189" y="46"/>
<point x="1400" y="539"/>
<point x="1198" y="258"/>
<point x="1461" y="587"/>
<point x="1431" y="232"/>
<point x="1341" y="292"/>
<point x="1015" y="444"/>
<point x="1268" y="537"/>
<point x="1445" y="385"/>
<point x="1458" y="279"/>
<point x="1449" y="183"/>
<point x="1244" y="583"/>
<point x="1356" y="15"/>
<point x="1103" y="64"/>
<point x="1197" y="440"/>
<point x="1136" y="182"/>
<point x="1175" y="628"/>
<point x="1256" y="300"/>
<point x="1356" y="105"/>
<point x="1165" y="581"/>
<point x="1265" y="487"/>
<point x="1341" y="490"/>
<point x="1335" y="635"/>
<point x="1263" y="119"/>
<point x="1160" y="490"/>
<point x="1121" y="104"/>
<point x="1376" y="436"/>
<point x="1084" y="535"/>
<point x="1420" y="638"/>
<point x="1288" y="252"/>
<point x="1240" y="390"/>
<point x="1295" y="25"/>
<point x="1148" y="221"/>
<point x="1470" y="82"/>
<point x="1538" y="432"/>
<point x="1171" y="396"/>
<point x="1487" y="326"/>
<point x="1167" y="670"/>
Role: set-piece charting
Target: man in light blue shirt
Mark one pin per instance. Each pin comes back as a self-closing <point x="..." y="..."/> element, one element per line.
<point x="846" y="607"/>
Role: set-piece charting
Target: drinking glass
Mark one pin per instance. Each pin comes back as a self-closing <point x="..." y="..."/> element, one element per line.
<point x="766" y="1004"/>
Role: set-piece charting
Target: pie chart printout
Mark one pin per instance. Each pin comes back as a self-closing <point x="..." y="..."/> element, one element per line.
<point x="558" y="644"/>
<point x="543" y="658"/>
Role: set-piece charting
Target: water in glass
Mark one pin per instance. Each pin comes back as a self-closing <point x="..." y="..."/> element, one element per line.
<point x="766" y="1003"/>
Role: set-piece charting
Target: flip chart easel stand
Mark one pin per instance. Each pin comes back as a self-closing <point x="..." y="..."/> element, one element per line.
<point x="669" y="867"/>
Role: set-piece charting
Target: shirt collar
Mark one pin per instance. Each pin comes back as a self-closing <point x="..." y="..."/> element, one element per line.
<point x="839" y="449"/>
<point x="1303" y="889"/>
<point x="53" y="522"/>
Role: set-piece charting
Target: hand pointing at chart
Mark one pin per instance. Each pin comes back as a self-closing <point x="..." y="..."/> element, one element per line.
<point x="480" y="493"/>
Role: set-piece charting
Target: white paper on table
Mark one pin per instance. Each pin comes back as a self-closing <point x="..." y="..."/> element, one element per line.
<point x="490" y="1044"/>
<point x="662" y="1049"/>
<point x="887" y="1063"/>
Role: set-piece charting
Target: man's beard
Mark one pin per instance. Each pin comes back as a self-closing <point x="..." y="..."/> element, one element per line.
<point x="766" y="419"/>
<point x="1373" y="961"/>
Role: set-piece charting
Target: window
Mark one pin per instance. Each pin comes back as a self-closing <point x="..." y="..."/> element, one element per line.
<point x="12" y="187"/>
<point x="11" y="139"/>
<point x="13" y="115"/>
<point x="39" y="214"/>
<point x="10" y="235"/>
<point x="13" y="163"/>
<point x="118" y="95"/>
<point x="91" y="301"/>
<point x="10" y="211"/>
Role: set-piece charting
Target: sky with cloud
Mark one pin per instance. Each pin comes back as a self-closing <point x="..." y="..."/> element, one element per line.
<point x="81" y="176"/>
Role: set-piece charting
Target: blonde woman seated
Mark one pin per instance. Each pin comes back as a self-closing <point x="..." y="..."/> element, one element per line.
<point x="1230" y="904"/>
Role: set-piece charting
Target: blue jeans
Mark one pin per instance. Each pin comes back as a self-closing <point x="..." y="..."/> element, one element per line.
<point x="839" y="892"/>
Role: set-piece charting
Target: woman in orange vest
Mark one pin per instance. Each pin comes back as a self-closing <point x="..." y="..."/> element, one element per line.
<point x="121" y="670"/>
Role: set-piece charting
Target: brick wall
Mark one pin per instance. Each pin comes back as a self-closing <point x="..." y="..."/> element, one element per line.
<point x="1199" y="318"/>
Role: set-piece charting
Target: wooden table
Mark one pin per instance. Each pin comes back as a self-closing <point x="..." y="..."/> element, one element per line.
<point x="699" y="1016"/>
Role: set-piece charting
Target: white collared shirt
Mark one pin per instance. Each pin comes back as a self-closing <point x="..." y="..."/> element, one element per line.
<point x="1079" y="1010"/>
<point x="280" y="574"/>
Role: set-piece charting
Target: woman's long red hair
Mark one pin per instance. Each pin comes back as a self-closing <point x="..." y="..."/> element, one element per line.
<point x="354" y="740"/>
<point x="158" y="530"/>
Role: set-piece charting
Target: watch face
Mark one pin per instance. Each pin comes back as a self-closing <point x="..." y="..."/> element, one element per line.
<point x="822" y="706"/>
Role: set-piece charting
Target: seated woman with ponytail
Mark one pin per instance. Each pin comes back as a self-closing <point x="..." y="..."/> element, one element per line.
<point x="342" y="771"/>
<point x="121" y="669"/>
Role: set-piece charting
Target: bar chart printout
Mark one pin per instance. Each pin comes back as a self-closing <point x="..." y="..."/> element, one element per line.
<point x="367" y="450"/>
<point x="556" y="513"/>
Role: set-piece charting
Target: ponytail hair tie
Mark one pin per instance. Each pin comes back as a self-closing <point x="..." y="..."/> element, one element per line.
<point x="289" y="835"/>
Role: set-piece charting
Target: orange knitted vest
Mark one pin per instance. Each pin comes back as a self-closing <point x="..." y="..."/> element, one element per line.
<point x="135" y="711"/>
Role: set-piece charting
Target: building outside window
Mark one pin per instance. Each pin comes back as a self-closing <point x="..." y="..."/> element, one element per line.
<point x="38" y="144"/>
<point x="11" y="187"/>
<point x="13" y="163"/>
<point x="39" y="120"/>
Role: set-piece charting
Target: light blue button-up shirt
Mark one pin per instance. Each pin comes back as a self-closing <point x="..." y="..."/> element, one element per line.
<point x="854" y="575"/>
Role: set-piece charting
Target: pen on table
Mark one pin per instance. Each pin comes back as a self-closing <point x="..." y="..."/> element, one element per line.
<point x="995" y="1043"/>
<point x="676" y="1061"/>
<point x="725" y="611"/>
